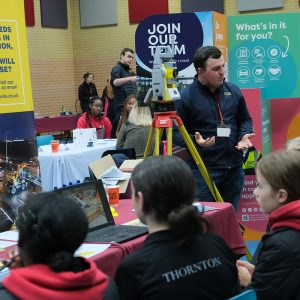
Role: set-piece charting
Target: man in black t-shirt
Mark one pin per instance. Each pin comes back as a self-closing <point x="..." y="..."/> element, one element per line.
<point x="122" y="83"/>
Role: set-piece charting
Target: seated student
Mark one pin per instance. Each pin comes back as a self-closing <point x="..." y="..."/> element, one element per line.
<point x="95" y="118"/>
<point x="134" y="133"/>
<point x="178" y="259"/>
<point x="51" y="228"/>
<point x="128" y="105"/>
<point x="277" y="270"/>
<point x="293" y="144"/>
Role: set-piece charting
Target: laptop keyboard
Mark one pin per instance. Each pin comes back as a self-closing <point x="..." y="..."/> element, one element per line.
<point x="116" y="233"/>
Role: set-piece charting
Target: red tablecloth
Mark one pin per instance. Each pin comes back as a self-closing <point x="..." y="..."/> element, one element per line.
<point x="223" y="222"/>
<point x="58" y="123"/>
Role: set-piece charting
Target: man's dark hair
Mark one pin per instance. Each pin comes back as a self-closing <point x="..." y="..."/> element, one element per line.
<point x="126" y="50"/>
<point x="202" y="54"/>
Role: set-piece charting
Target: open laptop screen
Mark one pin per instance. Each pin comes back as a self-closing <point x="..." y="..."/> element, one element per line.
<point x="92" y="198"/>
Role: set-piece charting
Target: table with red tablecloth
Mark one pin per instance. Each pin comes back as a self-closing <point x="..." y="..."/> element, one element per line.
<point x="57" y="123"/>
<point x="222" y="221"/>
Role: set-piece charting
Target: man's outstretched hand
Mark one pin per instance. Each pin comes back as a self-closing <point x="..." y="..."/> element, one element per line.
<point x="204" y="142"/>
<point x="245" y="142"/>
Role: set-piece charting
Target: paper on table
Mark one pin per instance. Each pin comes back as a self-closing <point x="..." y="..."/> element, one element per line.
<point x="89" y="250"/>
<point x="114" y="174"/>
<point x="128" y="165"/>
<point x="5" y="244"/>
<point x="110" y="182"/>
<point x="135" y="222"/>
<point x="204" y="207"/>
<point x="11" y="235"/>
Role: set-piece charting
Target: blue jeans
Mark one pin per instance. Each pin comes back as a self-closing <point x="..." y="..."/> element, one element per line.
<point x="119" y="158"/>
<point x="228" y="181"/>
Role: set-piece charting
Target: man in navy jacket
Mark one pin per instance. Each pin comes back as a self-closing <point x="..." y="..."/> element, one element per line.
<point x="215" y="115"/>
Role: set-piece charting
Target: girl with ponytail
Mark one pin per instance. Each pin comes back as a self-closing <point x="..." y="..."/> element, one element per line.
<point x="179" y="259"/>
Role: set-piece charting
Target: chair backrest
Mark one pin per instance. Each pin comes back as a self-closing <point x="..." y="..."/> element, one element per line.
<point x="42" y="140"/>
<point x="247" y="295"/>
<point x="130" y="152"/>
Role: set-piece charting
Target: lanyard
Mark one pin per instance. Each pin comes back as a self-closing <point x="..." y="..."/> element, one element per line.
<point x="219" y="108"/>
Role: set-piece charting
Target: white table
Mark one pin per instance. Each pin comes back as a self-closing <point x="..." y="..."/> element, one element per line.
<point x="69" y="166"/>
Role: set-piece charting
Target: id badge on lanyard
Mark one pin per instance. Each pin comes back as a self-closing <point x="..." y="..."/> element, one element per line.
<point x="222" y="130"/>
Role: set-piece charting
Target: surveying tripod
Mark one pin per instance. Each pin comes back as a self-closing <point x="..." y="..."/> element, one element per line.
<point x="164" y="120"/>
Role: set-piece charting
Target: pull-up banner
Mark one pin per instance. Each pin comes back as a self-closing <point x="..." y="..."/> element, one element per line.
<point x="207" y="28"/>
<point x="264" y="53"/>
<point x="19" y="170"/>
<point x="15" y="86"/>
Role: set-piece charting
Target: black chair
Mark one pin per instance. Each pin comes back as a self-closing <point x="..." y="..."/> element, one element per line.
<point x="130" y="152"/>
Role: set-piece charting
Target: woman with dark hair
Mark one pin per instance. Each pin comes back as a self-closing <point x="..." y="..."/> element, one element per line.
<point x="179" y="260"/>
<point x="51" y="228"/>
<point x="95" y="118"/>
<point x="86" y="90"/>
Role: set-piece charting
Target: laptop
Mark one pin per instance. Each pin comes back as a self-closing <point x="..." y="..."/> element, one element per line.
<point x="92" y="198"/>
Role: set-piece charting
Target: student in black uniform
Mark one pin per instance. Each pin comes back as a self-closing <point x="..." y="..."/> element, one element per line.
<point x="179" y="260"/>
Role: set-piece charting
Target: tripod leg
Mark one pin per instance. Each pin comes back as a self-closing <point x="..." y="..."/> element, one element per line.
<point x="198" y="160"/>
<point x="169" y="138"/>
<point x="158" y="135"/>
<point x="149" y="142"/>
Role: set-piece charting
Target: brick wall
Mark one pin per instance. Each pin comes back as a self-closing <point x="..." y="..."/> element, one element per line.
<point x="59" y="57"/>
<point x="51" y="65"/>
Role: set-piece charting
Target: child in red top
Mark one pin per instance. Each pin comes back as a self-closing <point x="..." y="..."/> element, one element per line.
<point x="95" y="118"/>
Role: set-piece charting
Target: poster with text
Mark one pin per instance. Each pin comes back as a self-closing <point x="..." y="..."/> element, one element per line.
<point x="264" y="53"/>
<point x="19" y="168"/>
<point x="15" y="91"/>
<point x="186" y="32"/>
<point x="249" y="213"/>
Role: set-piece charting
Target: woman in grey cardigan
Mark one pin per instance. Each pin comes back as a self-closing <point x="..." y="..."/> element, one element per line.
<point x="134" y="133"/>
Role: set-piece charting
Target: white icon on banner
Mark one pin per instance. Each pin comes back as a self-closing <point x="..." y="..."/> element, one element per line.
<point x="243" y="73"/>
<point x="258" y="53"/>
<point x="259" y="72"/>
<point x="274" y="71"/>
<point x="243" y="53"/>
<point x="274" y="52"/>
